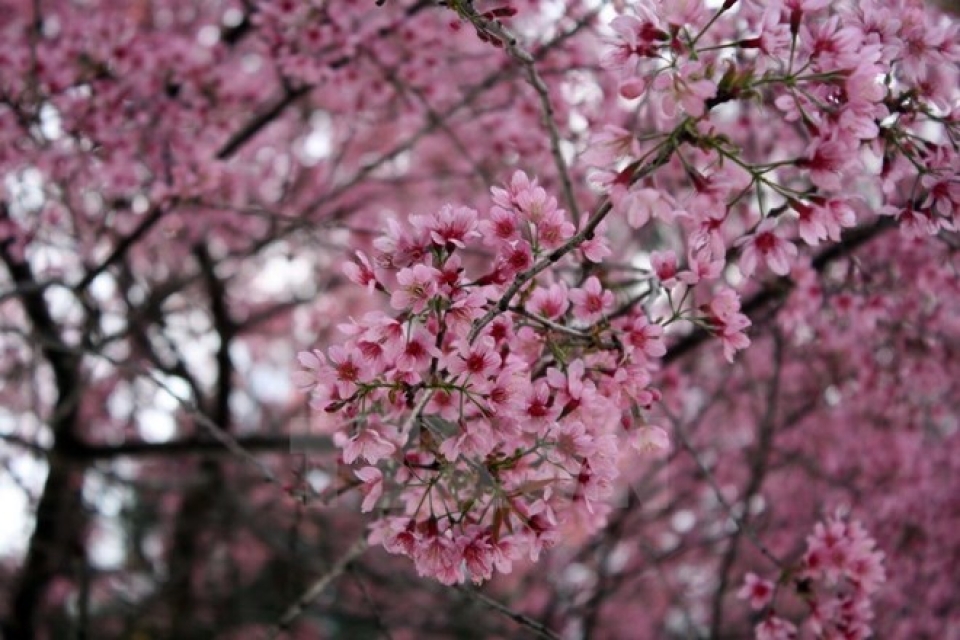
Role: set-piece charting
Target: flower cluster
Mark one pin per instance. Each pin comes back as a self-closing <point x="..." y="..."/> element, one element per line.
<point x="840" y="573"/>
<point x="865" y="99"/>
<point x="486" y="413"/>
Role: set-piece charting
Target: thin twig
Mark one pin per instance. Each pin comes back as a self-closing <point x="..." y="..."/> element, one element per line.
<point x="318" y="587"/>
<point x="538" y="628"/>
<point x="535" y="80"/>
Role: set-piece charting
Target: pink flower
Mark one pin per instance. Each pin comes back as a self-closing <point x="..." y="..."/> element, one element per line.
<point x="774" y="37"/>
<point x="678" y="13"/>
<point x="367" y="445"/>
<point x="637" y="38"/>
<point x="724" y="317"/>
<point x="651" y="440"/>
<point x="439" y="557"/>
<point x="478" y="361"/>
<point x="765" y="244"/>
<point x="346" y="368"/>
<point x="591" y="302"/>
<point x="640" y="205"/>
<point x="596" y="248"/>
<point x="476" y="441"/>
<point x="372" y="487"/>
<point x="645" y="339"/>
<point x="610" y="145"/>
<point x="664" y="264"/>
<point x="418" y="284"/>
<point x="501" y="227"/>
<point x="312" y="362"/>
<point x="418" y="351"/>
<point x="685" y="87"/>
<point x="550" y="303"/>
<point x="398" y="248"/>
<point x="479" y="557"/>
<point x="361" y="272"/>
<point x="507" y="198"/>
<point x="397" y="535"/>
<point x="701" y="265"/>
<point x="554" y="229"/>
<point x="535" y="204"/>
<point x="756" y="590"/>
<point x="517" y="259"/>
<point x="827" y="159"/>
<point x="538" y="409"/>
<point x="774" y="628"/>
<point x="453" y="225"/>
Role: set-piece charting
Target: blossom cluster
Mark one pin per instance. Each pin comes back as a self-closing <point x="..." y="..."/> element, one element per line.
<point x="865" y="99"/>
<point x="840" y="573"/>
<point x="486" y="413"/>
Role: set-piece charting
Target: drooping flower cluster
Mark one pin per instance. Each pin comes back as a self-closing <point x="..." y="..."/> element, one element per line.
<point x="487" y="413"/>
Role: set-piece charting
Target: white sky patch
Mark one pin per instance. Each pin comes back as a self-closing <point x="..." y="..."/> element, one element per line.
<point x="280" y="274"/>
<point x="16" y="525"/>
<point x="641" y="260"/>
<point x="156" y="425"/>
<point x="270" y="384"/>
<point x="50" y="122"/>
<point x="26" y="192"/>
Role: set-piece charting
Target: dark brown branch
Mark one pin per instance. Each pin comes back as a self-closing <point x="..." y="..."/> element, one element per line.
<point x="139" y="449"/>
<point x="119" y="251"/>
<point x="540" y="630"/>
<point x="56" y="542"/>
<point x="270" y="113"/>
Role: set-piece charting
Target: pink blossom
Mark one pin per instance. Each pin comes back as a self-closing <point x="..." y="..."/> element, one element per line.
<point x="418" y="351"/>
<point x="367" y="445"/>
<point x="645" y="338"/>
<point x="725" y="319"/>
<point x="538" y="409"/>
<point x="453" y="225"/>
<point x="501" y="227"/>
<point x="641" y="205"/>
<point x="362" y="272"/>
<point x="828" y="159"/>
<point x="664" y="264"/>
<point x="346" y="368"/>
<point x="774" y="628"/>
<point x="550" y="302"/>
<point x="758" y="591"/>
<point x="651" y="440"/>
<point x="535" y="204"/>
<point x="372" y="487"/>
<point x="591" y="301"/>
<point x="553" y="229"/>
<point x="637" y="38"/>
<point x="477" y="361"/>
<point x="609" y="145"/>
<point x="596" y="248"/>
<point x="438" y="556"/>
<point x="312" y="362"/>
<point x="766" y="244"/>
<point x="684" y="87"/>
<point x="418" y="284"/>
